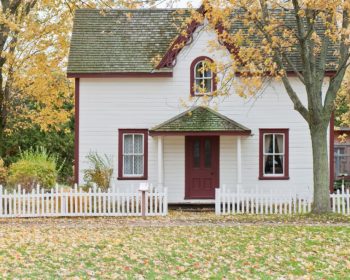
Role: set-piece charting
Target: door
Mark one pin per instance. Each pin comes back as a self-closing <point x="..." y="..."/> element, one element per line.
<point x="202" y="166"/>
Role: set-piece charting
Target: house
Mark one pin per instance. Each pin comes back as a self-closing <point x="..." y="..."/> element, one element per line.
<point x="132" y="109"/>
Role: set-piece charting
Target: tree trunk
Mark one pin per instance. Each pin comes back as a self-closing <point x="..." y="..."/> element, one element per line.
<point x="320" y="169"/>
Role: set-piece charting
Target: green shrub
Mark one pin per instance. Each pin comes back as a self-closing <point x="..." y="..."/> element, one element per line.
<point x="3" y="173"/>
<point x="100" y="171"/>
<point x="60" y="143"/>
<point x="34" y="167"/>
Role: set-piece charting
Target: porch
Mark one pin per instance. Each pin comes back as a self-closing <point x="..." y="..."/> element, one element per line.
<point x="196" y="152"/>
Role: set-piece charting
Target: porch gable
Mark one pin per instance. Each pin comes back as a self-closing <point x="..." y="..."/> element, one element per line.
<point x="200" y="120"/>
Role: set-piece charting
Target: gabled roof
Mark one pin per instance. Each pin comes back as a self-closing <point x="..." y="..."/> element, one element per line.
<point x="130" y="41"/>
<point x="120" y="41"/>
<point x="200" y="120"/>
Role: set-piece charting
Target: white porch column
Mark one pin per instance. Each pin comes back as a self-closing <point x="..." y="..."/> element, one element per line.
<point x="239" y="163"/>
<point x="160" y="163"/>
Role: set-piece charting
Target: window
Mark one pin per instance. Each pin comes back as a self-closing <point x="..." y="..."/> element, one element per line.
<point x="341" y="160"/>
<point x="274" y="154"/>
<point x="203" y="79"/>
<point x="133" y="149"/>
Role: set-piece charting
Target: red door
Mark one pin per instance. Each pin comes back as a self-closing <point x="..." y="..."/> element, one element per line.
<point x="202" y="166"/>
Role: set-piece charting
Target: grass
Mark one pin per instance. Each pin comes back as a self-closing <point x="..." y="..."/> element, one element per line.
<point x="181" y="246"/>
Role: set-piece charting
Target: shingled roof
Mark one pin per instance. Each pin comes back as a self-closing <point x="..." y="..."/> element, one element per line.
<point x="128" y="41"/>
<point x="120" y="40"/>
<point x="200" y="119"/>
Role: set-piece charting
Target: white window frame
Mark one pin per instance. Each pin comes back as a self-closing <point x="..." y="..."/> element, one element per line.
<point x="274" y="174"/>
<point x="202" y="78"/>
<point x="133" y="154"/>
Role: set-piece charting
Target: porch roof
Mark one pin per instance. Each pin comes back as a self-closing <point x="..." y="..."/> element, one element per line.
<point x="200" y="121"/>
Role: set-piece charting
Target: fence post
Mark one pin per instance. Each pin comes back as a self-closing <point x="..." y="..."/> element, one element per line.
<point x="165" y="201"/>
<point x="143" y="203"/>
<point x="217" y="201"/>
<point x="143" y="188"/>
<point x="347" y="202"/>
<point x="1" y="194"/>
<point x="63" y="202"/>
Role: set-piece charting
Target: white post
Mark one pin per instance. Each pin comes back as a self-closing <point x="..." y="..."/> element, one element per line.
<point x="239" y="163"/>
<point x="217" y="201"/>
<point x="165" y="201"/>
<point x="160" y="163"/>
<point x="1" y="195"/>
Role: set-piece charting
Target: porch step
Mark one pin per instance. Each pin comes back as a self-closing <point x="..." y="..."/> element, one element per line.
<point x="192" y="207"/>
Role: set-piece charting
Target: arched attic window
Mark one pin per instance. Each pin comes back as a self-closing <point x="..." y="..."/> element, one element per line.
<point x="203" y="79"/>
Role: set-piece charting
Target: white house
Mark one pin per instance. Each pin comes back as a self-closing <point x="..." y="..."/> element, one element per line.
<point x="131" y="109"/>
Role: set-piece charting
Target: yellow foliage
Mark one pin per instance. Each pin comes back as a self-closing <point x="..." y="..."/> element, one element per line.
<point x="3" y="172"/>
<point x="343" y="103"/>
<point x="34" y="69"/>
<point x="35" y="61"/>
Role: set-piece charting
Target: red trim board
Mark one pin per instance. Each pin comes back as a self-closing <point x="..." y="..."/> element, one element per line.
<point x="331" y="154"/>
<point x="76" y="130"/>
<point x="121" y="75"/>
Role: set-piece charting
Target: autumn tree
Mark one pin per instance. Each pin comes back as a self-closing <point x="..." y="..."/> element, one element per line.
<point x="34" y="41"/>
<point x="303" y="39"/>
<point x="36" y="98"/>
<point x="342" y="113"/>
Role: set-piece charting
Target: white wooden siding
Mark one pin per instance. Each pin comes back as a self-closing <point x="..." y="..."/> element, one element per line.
<point x="107" y="104"/>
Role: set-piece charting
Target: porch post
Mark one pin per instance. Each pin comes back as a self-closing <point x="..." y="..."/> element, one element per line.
<point x="239" y="163"/>
<point x="160" y="163"/>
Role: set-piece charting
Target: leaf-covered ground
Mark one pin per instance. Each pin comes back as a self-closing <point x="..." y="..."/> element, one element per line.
<point x="180" y="246"/>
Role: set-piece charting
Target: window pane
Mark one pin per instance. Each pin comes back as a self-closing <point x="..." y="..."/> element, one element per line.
<point x="207" y="151"/>
<point x="198" y="86"/>
<point x="268" y="164"/>
<point x="278" y="164"/>
<point x="138" y="144"/>
<point x="196" y="153"/>
<point x="342" y="160"/>
<point x="279" y="147"/>
<point x="128" y="149"/>
<point x="340" y="151"/>
<point x="268" y="143"/>
<point x="207" y="72"/>
<point x="138" y="165"/>
<point x="128" y="165"/>
<point x="207" y="85"/>
<point x="199" y="70"/>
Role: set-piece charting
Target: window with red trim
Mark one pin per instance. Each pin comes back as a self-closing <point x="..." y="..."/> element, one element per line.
<point x="273" y="154"/>
<point x="133" y="154"/>
<point x="203" y="79"/>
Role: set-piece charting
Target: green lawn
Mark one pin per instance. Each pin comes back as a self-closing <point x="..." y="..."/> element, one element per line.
<point x="182" y="246"/>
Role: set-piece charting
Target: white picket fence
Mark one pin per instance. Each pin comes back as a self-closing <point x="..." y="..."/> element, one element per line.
<point x="229" y="202"/>
<point x="340" y="201"/>
<point x="59" y="202"/>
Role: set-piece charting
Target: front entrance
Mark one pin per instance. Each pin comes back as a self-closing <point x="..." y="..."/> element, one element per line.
<point x="202" y="166"/>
